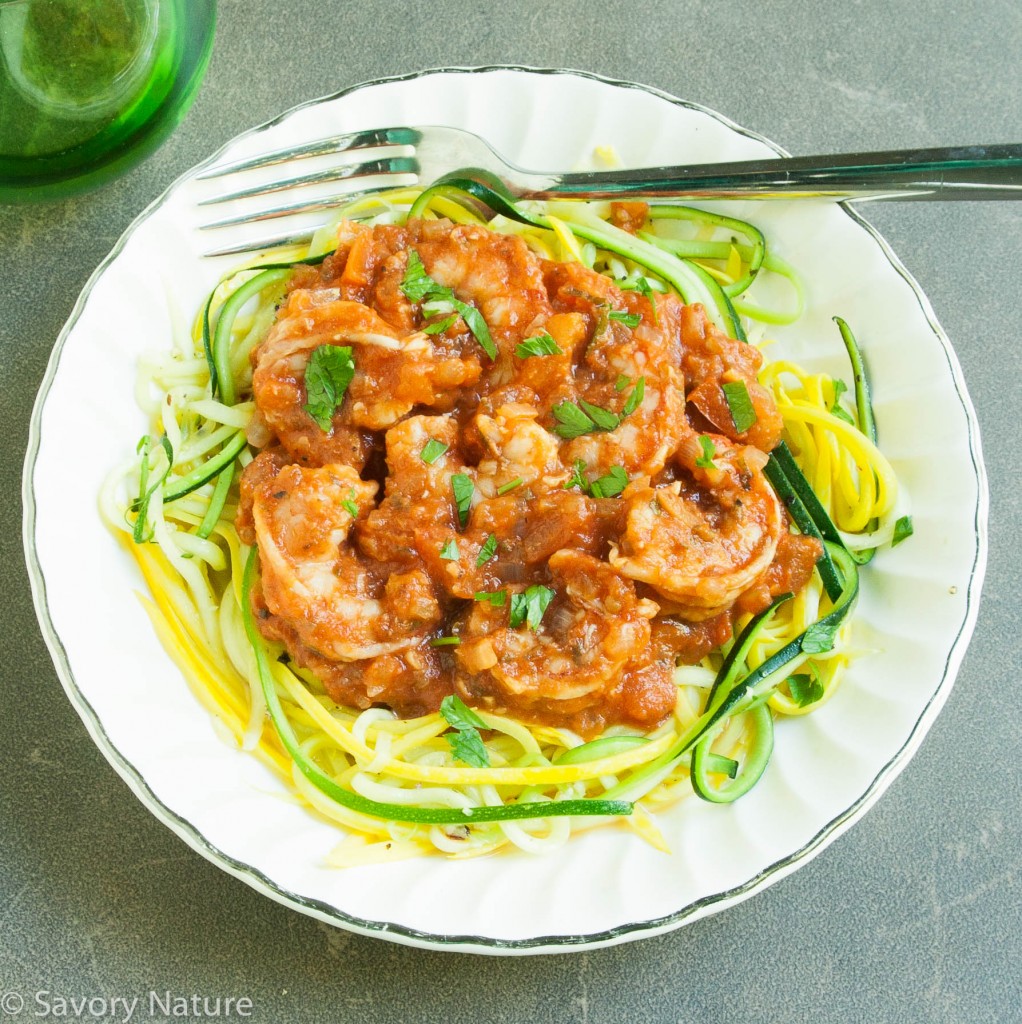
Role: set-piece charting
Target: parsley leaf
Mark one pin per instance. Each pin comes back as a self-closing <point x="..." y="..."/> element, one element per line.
<point x="635" y="398"/>
<point x="607" y="486"/>
<point x="571" y="421"/>
<point x="440" y="305"/>
<point x="351" y="508"/>
<point x="477" y="325"/>
<point x="450" y="551"/>
<point x="804" y="689"/>
<point x="628" y="319"/>
<point x="642" y="286"/>
<point x="463" y="489"/>
<point x="465" y="742"/>
<point x="578" y="477"/>
<point x="819" y="637"/>
<point x="468" y="747"/>
<point x="327" y="376"/>
<point x="445" y="641"/>
<point x="903" y="529"/>
<point x="432" y="450"/>
<point x="439" y="326"/>
<point x="603" y="418"/>
<point x="613" y="483"/>
<point x="530" y="606"/>
<point x="705" y="461"/>
<point x="622" y="382"/>
<point x="510" y="485"/>
<point x="541" y="345"/>
<point x="458" y="715"/>
<point x="743" y="415"/>
<point x="487" y="551"/>
<point x="417" y="285"/>
<point x="498" y="598"/>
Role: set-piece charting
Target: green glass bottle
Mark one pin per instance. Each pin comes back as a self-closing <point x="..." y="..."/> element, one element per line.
<point x="88" y="88"/>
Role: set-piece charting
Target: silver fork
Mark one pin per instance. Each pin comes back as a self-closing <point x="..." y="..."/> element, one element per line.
<point x="385" y="157"/>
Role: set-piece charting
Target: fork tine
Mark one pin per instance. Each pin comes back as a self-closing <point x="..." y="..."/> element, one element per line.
<point x="353" y="142"/>
<point x="330" y="202"/>
<point x="350" y="172"/>
<point x="261" y="244"/>
<point x="258" y="244"/>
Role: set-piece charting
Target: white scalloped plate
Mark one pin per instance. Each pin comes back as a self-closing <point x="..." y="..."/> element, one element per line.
<point x="917" y="609"/>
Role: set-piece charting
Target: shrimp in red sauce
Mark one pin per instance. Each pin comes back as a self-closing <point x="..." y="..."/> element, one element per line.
<point x="393" y="545"/>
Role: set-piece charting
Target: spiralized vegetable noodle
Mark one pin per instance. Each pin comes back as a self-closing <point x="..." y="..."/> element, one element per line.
<point x="487" y="529"/>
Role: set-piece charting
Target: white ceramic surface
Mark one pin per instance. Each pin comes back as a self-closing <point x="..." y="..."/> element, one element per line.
<point x="916" y="611"/>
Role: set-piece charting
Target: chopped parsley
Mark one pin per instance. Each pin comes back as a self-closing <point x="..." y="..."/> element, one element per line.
<point x="510" y="485"/>
<point x="418" y="286"/>
<point x="574" y="420"/>
<point x="439" y="326"/>
<point x="578" y="477"/>
<point x="450" y="551"/>
<point x="903" y="529"/>
<point x="477" y="325"/>
<point x="463" y="489"/>
<point x="350" y="505"/>
<point x="541" y="345"/>
<point x="628" y="319"/>
<point x="705" y="461"/>
<point x="611" y="484"/>
<point x="643" y="287"/>
<point x="743" y="415"/>
<point x="805" y="689"/>
<point x="487" y="551"/>
<point x="819" y="637"/>
<point x="438" y="307"/>
<point x="327" y="376"/>
<point x="604" y="419"/>
<point x="529" y="606"/>
<point x="445" y="641"/>
<point x="635" y="398"/>
<point x="622" y="382"/>
<point x="416" y="283"/>
<point x="432" y="450"/>
<point x="498" y="598"/>
<point x="465" y="742"/>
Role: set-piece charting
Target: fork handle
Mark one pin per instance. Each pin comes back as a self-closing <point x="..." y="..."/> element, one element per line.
<point x="964" y="172"/>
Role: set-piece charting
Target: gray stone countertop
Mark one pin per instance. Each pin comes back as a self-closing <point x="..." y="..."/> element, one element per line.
<point x="913" y="915"/>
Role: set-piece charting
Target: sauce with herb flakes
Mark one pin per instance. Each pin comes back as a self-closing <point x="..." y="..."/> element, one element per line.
<point x="505" y="478"/>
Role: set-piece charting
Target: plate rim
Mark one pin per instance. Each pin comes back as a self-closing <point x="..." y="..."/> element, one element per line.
<point x="330" y="914"/>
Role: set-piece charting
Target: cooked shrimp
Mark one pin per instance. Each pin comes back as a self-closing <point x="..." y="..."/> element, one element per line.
<point x="315" y="582"/>
<point x="702" y="542"/>
<point x="594" y="626"/>
<point x="418" y="512"/>
<point x="616" y="358"/>
<point x="643" y="441"/>
<point x="711" y="359"/>
<point x="520" y="450"/>
<point x="444" y="428"/>
<point x="393" y="373"/>
<point x="496" y="273"/>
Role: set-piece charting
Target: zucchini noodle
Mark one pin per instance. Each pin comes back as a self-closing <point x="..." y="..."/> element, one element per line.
<point x="174" y="504"/>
